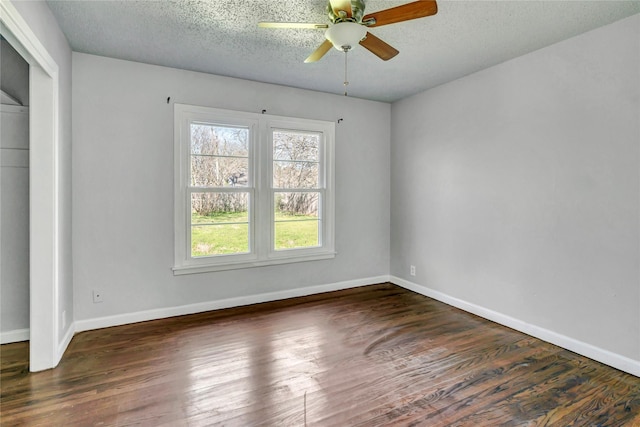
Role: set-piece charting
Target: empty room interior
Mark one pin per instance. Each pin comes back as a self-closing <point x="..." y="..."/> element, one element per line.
<point x="320" y="212"/>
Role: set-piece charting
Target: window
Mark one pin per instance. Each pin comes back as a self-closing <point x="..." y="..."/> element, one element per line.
<point x="251" y="189"/>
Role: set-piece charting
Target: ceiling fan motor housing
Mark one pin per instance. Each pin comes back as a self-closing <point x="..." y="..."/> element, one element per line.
<point x="357" y="12"/>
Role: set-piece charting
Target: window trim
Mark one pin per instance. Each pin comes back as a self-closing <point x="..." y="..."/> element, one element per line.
<point x="261" y="226"/>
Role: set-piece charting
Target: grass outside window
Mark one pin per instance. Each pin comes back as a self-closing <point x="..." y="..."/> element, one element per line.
<point x="228" y="233"/>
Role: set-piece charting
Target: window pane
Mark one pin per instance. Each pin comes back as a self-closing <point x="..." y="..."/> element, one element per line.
<point x="296" y="220"/>
<point x="296" y="159"/>
<point x="219" y="223"/>
<point x="215" y="171"/>
<point x="301" y="234"/>
<point x="295" y="174"/>
<point x="218" y="140"/>
<point x="293" y="145"/>
<point x="219" y="156"/>
<point x="220" y="239"/>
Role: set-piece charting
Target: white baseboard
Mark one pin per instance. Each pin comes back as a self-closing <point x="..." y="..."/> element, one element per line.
<point x="607" y="357"/>
<point x="16" y="335"/>
<point x="161" y="313"/>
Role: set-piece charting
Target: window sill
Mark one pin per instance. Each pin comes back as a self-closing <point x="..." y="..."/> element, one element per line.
<point x="208" y="268"/>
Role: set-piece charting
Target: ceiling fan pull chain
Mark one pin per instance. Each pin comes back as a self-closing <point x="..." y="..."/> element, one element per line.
<point x="346" y="80"/>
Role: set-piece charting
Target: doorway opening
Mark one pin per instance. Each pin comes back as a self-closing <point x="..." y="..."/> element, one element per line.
<point x="45" y="346"/>
<point x="14" y="195"/>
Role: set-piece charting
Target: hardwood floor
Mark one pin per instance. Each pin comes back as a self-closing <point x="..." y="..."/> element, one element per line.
<point x="372" y="356"/>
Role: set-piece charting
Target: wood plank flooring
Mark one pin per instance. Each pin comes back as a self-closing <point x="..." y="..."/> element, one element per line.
<point x="372" y="356"/>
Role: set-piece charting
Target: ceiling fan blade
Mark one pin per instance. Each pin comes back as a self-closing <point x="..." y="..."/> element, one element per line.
<point x="378" y="47"/>
<point x="319" y="52"/>
<point x="406" y="12"/>
<point x="341" y="5"/>
<point x="292" y="25"/>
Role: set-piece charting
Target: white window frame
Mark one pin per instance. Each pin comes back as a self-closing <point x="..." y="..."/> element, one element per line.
<point x="259" y="187"/>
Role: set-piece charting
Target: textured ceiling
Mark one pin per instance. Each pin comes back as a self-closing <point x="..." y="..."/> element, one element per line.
<point x="221" y="37"/>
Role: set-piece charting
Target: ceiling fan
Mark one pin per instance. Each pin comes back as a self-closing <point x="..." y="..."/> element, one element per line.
<point x="349" y="26"/>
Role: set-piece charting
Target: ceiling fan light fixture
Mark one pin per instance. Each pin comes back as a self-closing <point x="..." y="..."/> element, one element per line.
<point x="345" y="35"/>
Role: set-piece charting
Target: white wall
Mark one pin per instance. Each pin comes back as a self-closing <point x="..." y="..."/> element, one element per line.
<point x="123" y="187"/>
<point x="516" y="189"/>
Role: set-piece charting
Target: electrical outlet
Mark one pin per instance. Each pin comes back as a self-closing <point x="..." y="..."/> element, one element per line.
<point x="412" y="270"/>
<point x="97" y="296"/>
